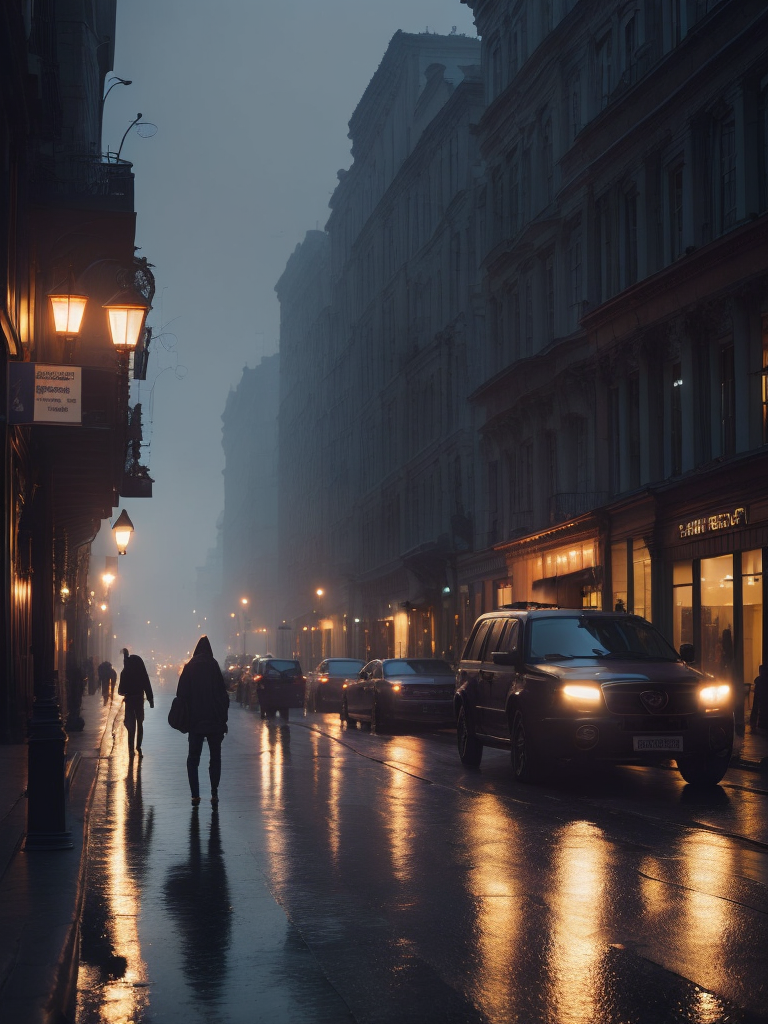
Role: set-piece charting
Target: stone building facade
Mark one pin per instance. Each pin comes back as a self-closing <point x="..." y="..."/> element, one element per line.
<point x="249" y="522"/>
<point x="377" y="326"/>
<point x="623" y="415"/>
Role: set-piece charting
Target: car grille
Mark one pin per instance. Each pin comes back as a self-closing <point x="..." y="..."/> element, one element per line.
<point x="655" y="723"/>
<point x="417" y="692"/>
<point x="624" y="699"/>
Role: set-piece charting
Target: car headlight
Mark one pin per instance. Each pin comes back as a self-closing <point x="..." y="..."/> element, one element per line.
<point x="395" y="687"/>
<point x="715" y="695"/>
<point x="582" y="693"/>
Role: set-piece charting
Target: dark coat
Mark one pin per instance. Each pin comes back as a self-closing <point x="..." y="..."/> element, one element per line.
<point x="202" y="686"/>
<point x="134" y="680"/>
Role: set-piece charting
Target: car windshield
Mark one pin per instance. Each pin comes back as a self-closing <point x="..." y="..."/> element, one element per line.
<point x="625" y="638"/>
<point x="283" y="666"/>
<point x="344" y="668"/>
<point x="417" y="667"/>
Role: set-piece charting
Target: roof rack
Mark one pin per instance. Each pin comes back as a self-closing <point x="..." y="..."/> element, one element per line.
<point x="527" y="605"/>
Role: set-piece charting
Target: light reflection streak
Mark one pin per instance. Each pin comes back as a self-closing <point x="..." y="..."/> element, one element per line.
<point x="123" y="998"/>
<point x="273" y="812"/>
<point x="492" y="839"/>
<point x="398" y="810"/>
<point x="577" y="940"/>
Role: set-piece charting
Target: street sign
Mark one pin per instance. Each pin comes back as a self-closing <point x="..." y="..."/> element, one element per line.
<point x="44" y="393"/>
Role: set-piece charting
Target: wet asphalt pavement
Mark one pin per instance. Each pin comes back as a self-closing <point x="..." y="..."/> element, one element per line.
<point x="353" y="877"/>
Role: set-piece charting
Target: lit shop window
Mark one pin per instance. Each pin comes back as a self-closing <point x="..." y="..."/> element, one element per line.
<point x="682" y="601"/>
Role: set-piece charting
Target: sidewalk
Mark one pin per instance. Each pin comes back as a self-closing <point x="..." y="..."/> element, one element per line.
<point x="41" y="892"/>
<point x="754" y="751"/>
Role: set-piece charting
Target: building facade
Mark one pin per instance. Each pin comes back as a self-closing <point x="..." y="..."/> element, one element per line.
<point x="622" y="419"/>
<point x="378" y="330"/>
<point x="68" y="225"/>
<point x="249" y="604"/>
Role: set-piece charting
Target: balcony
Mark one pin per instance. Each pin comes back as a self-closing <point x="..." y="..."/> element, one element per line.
<point x="572" y="504"/>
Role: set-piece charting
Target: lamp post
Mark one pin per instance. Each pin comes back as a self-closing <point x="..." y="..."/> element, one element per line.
<point x="244" y="604"/>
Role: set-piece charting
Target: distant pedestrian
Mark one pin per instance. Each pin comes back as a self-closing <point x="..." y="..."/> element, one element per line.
<point x="134" y="684"/>
<point x="758" y="717"/>
<point x="202" y="686"/>
<point x="107" y="680"/>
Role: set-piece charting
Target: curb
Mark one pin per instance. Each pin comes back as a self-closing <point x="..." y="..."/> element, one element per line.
<point x="63" y="1005"/>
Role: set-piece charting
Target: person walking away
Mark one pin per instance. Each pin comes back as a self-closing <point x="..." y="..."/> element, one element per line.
<point x="202" y="686"/>
<point x="758" y="717"/>
<point x="134" y="684"/>
<point x="107" y="680"/>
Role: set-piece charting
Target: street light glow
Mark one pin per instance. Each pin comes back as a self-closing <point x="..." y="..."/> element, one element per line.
<point x="319" y="591"/>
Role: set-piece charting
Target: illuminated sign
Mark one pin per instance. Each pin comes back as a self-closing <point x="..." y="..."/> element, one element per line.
<point x="712" y="523"/>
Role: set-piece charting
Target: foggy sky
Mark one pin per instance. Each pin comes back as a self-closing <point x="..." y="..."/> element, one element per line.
<point x="251" y="99"/>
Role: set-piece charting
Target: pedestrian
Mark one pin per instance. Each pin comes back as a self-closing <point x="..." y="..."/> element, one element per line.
<point x="758" y="716"/>
<point x="202" y="686"/>
<point x="134" y="684"/>
<point x="107" y="680"/>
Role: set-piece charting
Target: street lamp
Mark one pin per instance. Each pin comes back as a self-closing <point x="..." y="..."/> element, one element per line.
<point x="108" y="578"/>
<point x="68" y="307"/>
<point x="122" y="531"/>
<point x="126" y="311"/>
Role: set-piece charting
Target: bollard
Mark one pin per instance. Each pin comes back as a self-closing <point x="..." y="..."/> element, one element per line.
<point x="46" y="788"/>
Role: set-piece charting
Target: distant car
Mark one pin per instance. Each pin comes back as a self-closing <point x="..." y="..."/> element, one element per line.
<point x="570" y="686"/>
<point x="324" y="685"/>
<point x="278" y="684"/>
<point x="400" y="690"/>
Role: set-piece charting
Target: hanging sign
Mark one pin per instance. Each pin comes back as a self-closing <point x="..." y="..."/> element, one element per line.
<point x="44" y="393"/>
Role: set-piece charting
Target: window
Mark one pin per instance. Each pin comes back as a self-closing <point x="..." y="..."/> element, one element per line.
<point x="676" y="426"/>
<point x="630" y="45"/>
<point x="727" y="401"/>
<point x="524" y="480"/>
<point x="472" y="650"/>
<point x="727" y="174"/>
<point x="682" y="600"/>
<point x="513" y="187"/>
<point x="614" y="443"/>
<point x="547" y="158"/>
<point x="551" y="440"/>
<point x="511" y="639"/>
<point x="574" y="274"/>
<point x="619" y="577"/>
<point x="633" y="416"/>
<point x="494" y="636"/>
<point x="549" y="277"/>
<point x="496" y="79"/>
<point x="603" y="71"/>
<point x="641" y="576"/>
<point x="493" y="501"/>
<point x="630" y="239"/>
<point x="675" y="218"/>
<point x="574" y="105"/>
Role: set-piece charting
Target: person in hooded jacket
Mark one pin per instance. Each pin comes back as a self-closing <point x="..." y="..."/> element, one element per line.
<point x="134" y="684"/>
<point x="202" y="686"/>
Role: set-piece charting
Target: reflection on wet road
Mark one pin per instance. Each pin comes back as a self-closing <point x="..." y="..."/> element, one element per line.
<point x="350" y="876"/>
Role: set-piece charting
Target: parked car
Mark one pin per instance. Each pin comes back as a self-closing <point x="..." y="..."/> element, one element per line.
<point x="571" y="685"/>
<point x="400" y="690"/>
<point x="278" y="684"/>
<point x="324" y="684"/>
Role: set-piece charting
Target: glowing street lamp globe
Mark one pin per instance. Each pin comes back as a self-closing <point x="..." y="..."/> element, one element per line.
<point x="122" y="531"/>
<point x="68" y="308"/>
<point x="127" y="312"/>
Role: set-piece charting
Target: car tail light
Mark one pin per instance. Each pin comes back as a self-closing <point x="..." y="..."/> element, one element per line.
<point x="256" y="679"/>
<point x="322" y="679"/>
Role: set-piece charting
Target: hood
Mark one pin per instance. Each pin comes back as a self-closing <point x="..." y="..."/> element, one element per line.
<point x="622" y="671"/>
<point x="203" y="648"/>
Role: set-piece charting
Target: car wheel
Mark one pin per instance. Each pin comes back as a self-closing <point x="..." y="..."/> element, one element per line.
<point x="344" y="715"/>
<point x="470" y="747"/>
<point x="704" y="769"/>
<point x="526" y="763"/>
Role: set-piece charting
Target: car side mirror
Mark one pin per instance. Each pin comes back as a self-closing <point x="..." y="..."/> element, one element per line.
<point x="504" y="657"/>
<point x="687" y="653"/>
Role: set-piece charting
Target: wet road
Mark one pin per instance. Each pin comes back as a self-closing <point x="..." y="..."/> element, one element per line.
<point x="355" y="877"/>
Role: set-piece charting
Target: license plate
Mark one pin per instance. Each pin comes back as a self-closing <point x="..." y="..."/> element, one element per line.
<point x="663" y="744"/>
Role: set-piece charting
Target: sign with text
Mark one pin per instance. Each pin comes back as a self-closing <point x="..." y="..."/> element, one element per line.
<point x="45" y="393"/>
<point x="712" y="523"/>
